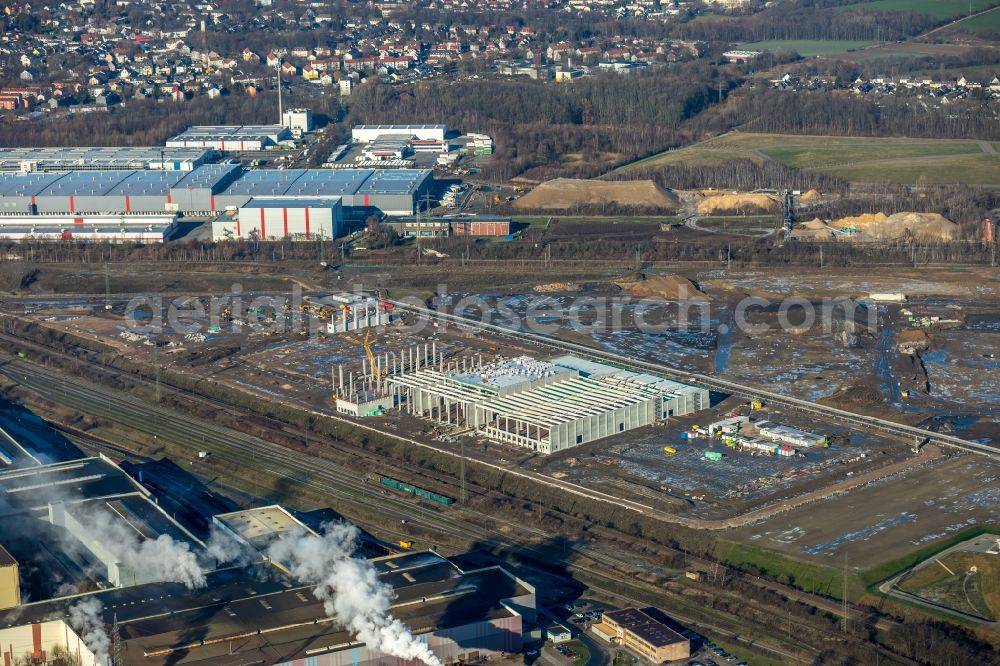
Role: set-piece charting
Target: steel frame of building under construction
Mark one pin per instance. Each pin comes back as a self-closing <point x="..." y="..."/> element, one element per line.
<point x="565" y="405"/>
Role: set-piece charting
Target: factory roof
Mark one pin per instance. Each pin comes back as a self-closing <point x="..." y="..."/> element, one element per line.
<point x="211" y="176"/>
<point x="50" y="159"/>
<point x="394" y="181"/>
<point x="584" y="367"/>
<point x="262" y="525"/>
<point x="640" y="624"/>
<point x="230" y="132"/>
<point x="262" y="182"/>
<point x="146" y="183"/>
<point x="398" y="128"/>
<point x="259" y="202"/>
<point x="84" y="230"/>
<point x="509" y="373"/>
<point x="445" y="385"/>
<point x="565" y="401"/>
<point x="329" y="182"/>
<point x="87" y="478"/>
<point x="85" y="183"/>
<point x="26" y="184"/>
<point x="5" y="558"/>
<point x="273" y="619"/>
<point x="229" y="179"/>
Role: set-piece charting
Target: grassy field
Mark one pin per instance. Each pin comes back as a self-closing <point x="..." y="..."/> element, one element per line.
<point x="973" y="169"/>
<point x="808" y="47"/>
<point x="948" y="581"/>
<point x="859" y="159"/>
<point x="942" y="9"/>
<point x="825" y="580"/>
<point x="987" y="23"/>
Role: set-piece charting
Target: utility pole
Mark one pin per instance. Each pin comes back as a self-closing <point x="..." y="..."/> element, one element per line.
<point x="281" y="112"/>
<point x="462" y="470"/>
<point x="845" y="593"/>
<point x="107" y="289"/>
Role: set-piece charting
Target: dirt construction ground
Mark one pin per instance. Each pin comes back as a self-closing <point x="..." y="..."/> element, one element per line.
<point x="889" y="519"/>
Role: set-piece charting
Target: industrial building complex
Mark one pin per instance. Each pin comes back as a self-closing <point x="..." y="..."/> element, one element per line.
<point x="77" y="507"/>
<point x="314" y="201"/>
<point x="235" y="138"/>
<point x="644" y="634"/>
<point x="81" y="532"/>
<point x="125" y="157"/>
<point x="546" y="406"/>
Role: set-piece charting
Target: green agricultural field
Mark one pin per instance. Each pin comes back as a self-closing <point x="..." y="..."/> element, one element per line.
<point x="972" y="169"/>
<point x="942" y="9"/>
<point x="859" y="159"/>
<point x="986" y="23"/>
<point x="808" y="47"/>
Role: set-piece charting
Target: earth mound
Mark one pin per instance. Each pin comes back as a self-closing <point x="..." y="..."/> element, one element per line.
<point x="740" y="204"/>
<point x="571" y="193"/>
<point x="668" y="287"/>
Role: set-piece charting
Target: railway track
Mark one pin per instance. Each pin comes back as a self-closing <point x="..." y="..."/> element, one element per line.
<point x="605" y="574"/>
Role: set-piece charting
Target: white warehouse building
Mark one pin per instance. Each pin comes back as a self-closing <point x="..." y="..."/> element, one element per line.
<point x="369" y="133"/>
<point x="292" y="218"/>
<point x="546" y="406"/>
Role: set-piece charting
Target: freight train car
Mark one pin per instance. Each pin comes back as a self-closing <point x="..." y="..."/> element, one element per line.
<point x="413" y="490"/>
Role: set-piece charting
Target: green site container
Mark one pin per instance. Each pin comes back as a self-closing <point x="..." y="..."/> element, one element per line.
<point x="714" y="456"/>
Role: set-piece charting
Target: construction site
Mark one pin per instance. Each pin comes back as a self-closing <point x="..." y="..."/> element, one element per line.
<point x="627" y="420"/>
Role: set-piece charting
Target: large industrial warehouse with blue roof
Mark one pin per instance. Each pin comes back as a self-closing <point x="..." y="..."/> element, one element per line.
<point x="35" y="200"/>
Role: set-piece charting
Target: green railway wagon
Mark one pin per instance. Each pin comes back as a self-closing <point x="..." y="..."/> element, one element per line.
<point x="414" y="490"/>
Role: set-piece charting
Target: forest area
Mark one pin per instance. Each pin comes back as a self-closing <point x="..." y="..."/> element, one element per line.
<point x="535" y="124"/>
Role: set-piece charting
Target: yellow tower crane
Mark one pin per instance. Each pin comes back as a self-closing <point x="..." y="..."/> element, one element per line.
<point x="377" y="374"/>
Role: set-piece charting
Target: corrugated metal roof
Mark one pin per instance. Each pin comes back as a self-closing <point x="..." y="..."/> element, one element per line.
<point x="85" y="183"/>
<point x="147" y="183"/>
<point x="99" y="157"/>
<point x="395" y="181"/>
<point x="26" y="184"/>
<point x="332" y="202"/>
<point x="209" y="177"/>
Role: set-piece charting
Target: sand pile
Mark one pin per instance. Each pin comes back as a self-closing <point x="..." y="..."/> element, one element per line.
<point x="879" y="226"/>
<point x="860" y="222"/>
<point x="668" y="287"/>
<point x="921" y="226"/>
<point x="741" y="204"/>
<point x="811" y="195"/>
<point x="815" y="224"/>
<point x="854" y="396"/>
<point x="554" y="287"/>
<point x="814" y="229"/>
<point x="570" y="193"/>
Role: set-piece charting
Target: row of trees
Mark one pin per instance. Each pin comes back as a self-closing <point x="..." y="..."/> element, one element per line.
<point x="742" y="174"/>
<point x="775" y="111"/>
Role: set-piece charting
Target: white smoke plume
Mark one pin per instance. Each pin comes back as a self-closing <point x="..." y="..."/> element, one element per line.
<point x="350" y="590"/>
<point x="223" y="548"/>
<point x="162" y="559"/>
<point x="85" y="618"/>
